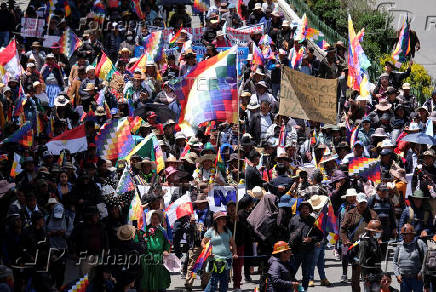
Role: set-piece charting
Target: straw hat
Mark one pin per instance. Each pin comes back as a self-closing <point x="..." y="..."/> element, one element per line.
<point x="380" y="132"/>
<point x="317" y="201"/>
<point x="350" y="193"/>
<point x="257" y="192"/>
<point x="172" y="159"/>
<point x="383" y="105"/>
<point x="201" y="198"/>
<point x="60" y="100"/>
<point x="146" y="160"/>
<point x="100" y="112"/>
<point x="90" y="86"/>
<point x="205" y="157"/>
<point x="253" y="105"/>
<point x="190" y="157"/>
<point x="399" y="173"/>
<point x="126" y="232"/>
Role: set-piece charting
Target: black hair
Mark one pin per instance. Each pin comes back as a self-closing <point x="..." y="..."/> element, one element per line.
<point x="253" y="154"/>
<point x="386" y="275"/>
<point x="215" y="227"/>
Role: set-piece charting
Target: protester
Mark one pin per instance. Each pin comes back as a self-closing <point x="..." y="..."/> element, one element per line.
<point x="223" y="250"/>
<point x="128" y="127"/>
<point x="409" y="260"/>
<point x="370" y="256"/>
<point x="280" y="270"/>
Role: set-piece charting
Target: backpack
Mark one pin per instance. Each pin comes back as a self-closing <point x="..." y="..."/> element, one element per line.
<point x="430" y="259"/>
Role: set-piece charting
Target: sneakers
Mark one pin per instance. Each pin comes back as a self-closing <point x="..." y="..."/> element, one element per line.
<point x="344" y="279"/>
<point x="326" y="283"/>
<point x="311" y="284"/>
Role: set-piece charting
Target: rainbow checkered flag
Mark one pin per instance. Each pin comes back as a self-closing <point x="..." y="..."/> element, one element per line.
<point x="22" y="136"/>
<point x="69" y="42"/>
<point x="125" y="183"/>
<point x="210" y="91"/>
<point x="365" y="167"/>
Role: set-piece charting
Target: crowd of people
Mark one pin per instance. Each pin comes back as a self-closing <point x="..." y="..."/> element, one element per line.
<point x="63" y="209"/>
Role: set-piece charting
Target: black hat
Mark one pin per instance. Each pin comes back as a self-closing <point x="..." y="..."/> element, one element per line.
<point x="305" y="203"/>
<point x="389" y="63"/>
<point x="246" y="141"/>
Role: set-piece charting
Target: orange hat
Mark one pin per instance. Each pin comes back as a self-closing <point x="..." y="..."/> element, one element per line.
<point x="280" y="246"/>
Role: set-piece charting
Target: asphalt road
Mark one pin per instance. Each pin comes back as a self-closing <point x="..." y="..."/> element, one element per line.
<point x="333" y="271"/>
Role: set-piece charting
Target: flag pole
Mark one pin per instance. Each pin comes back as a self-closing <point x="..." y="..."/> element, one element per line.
<point x="239" y="142"/>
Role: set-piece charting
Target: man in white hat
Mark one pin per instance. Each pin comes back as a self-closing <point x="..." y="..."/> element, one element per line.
<point x="221" y="40"/>
<point x="407" y="99"/>
<point x="90" y="78"/>
<point x="257" y="15"/>
<point x="352" y="226"/>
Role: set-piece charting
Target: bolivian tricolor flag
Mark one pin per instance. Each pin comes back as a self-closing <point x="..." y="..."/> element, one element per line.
<point x="105" y="68"/>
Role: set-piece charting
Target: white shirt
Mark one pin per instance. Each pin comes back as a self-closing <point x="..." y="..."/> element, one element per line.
<point x="259" y="98"/>
<point x="265" y="123"/>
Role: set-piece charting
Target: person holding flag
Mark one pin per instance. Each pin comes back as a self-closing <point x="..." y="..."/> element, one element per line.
<point x="319" y="203"/>
<point x="352" y="226"/>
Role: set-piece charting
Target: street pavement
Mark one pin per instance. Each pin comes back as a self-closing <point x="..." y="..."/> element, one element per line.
<point x="333" y="269"/>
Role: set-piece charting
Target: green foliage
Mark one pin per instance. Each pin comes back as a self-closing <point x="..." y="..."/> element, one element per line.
<point x="378" y="35"/>
<point x="419" y="79"/>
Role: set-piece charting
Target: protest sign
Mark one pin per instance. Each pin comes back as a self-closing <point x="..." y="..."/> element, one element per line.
<point x="32" y="27"/>
<point x="307" y="97"/>
<point x="219" y="196"/>
<point x="201" y="51"/>
<point x="50" y="40"/>
<point x="241" y="36"/>
<point x="172" y="263"/>
<point x="168" y="193"/>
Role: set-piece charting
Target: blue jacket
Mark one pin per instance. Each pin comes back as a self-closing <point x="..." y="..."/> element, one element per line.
<point x="279" y="275"/>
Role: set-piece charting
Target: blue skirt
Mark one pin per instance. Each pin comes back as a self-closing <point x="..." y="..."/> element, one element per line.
<point x="52" y="91"/>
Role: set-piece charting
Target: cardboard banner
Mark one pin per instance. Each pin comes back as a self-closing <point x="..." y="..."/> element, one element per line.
<point x="307" y="97"/>
<point x="32" y="27"/>
<point x="241" y="36"/>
